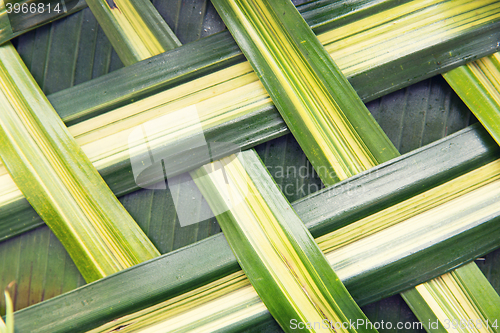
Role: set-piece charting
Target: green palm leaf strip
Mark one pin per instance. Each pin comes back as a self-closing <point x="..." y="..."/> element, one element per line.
<point x="274" y="248"/>
<point x="474" y="307"/>
<point x="59" y="181"/>
<point x="233" y="104"/>
<point x="337" y="132"/>
<point x="443" y="212"/>
<point x="135" y="28"/>
<point x="294" y="67"/>
<point x="478" y="85"/>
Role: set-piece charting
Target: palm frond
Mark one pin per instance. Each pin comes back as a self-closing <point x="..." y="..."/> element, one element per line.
<point x="309" y="90"/>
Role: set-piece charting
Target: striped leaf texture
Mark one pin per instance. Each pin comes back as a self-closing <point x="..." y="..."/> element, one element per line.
<point x="257" y="116"/>
<point x="424" y="59"/>
<point x="60" y="182"/>
<point x="231" y="302"/>
<point x="411" y="117"/>
<point x="305" y="287"/>
<point x="427" y="111"/>
<point x="274" y="248"/>
<point x="291" y="64"/>
<point x="478" y="85"/>
<point x="450" y="302"/>
<point x="36" y="260"/>
<point x="308" y="89"/>
<point x="135" y="28"/>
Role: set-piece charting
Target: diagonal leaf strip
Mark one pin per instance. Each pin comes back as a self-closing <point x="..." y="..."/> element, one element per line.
<point x="60" y="182"/>
<point x="473" y="306"/>
<point x="302" y="90"/>
<point x="273" y="247"/>
<point x="136" y="30"/>
<point x="478" y="85"/>
<point x="315" y="99"/>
